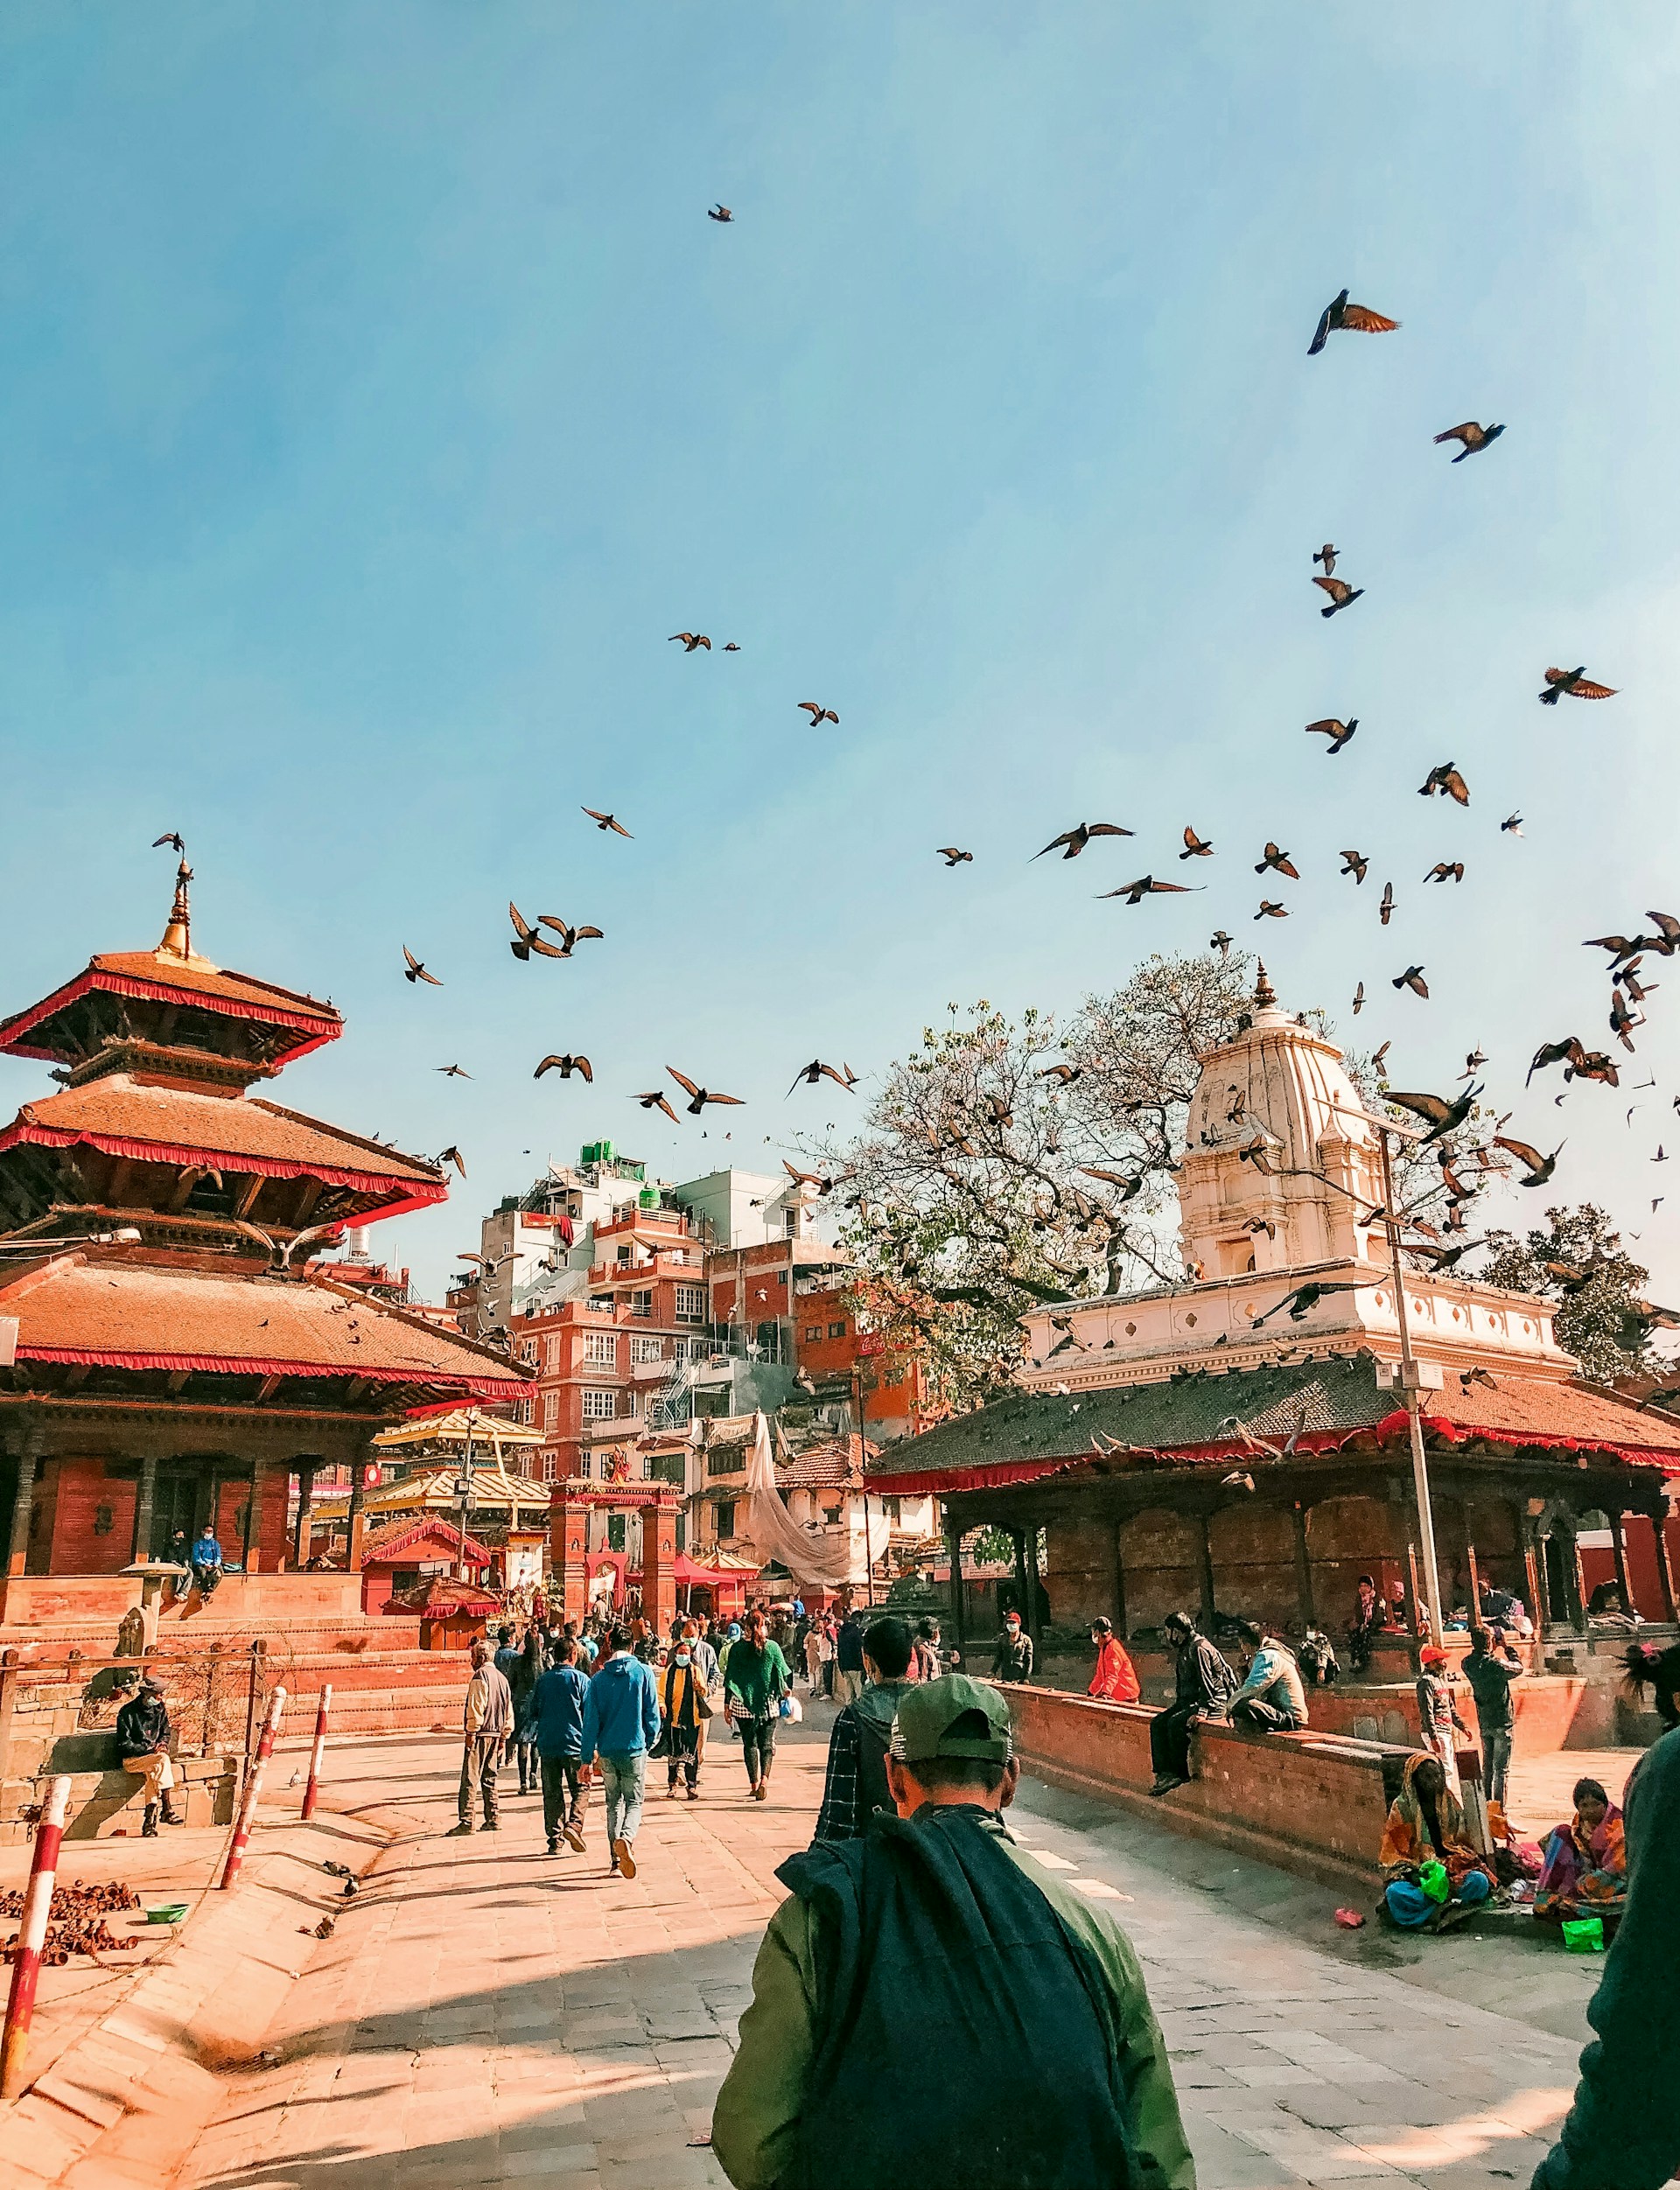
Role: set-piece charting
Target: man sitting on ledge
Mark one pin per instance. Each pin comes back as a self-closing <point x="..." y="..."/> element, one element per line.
<point x="1273" y="1696"/>
<point x="1205" y="1687"/>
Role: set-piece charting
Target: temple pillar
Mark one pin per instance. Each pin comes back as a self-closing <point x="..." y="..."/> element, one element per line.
<point x="568" y="1549"/>
<point x="1664" y="1564"/>
<point x="251" y="1540"/>
<point x="1024" y="1590"/>
<point x="300" y="1541"/>
<point x="145" y="1498"/>
<point x="659" y="1565"/>
<point x="355" y="1521"/>
<point x="1303" y="1567"/>
<point x="1210" y="1607"/>
<point x="24" y="1499"/>
<point x="1619" y="1550"/>
<point x="959" y="1609"/>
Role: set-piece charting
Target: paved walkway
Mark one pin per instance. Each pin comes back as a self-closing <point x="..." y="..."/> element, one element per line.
<point x="488" y="2015"/>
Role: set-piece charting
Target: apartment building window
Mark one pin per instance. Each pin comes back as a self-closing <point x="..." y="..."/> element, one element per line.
<point x="600" y="1406"/>
<point x="550" y="1467"/>
<point x="646" y="1350"/>
<point x="690" y="1304"/>
<point x="521" y="1410"/>
<point x="527" y="1351"/>
<point x="641" y="1303"/>
<point x="554" y="1357"/>
<point x="585" y="1465"/>
<point x="836" y="1330"/>
<point x="551" y="1409"/>
<point x="728" y="1462"/>
<point x="726" y="1519"/>
<point x="813" y="1334"/>
<point x="629" y="1401"/>
<point x="602" y="1347"/>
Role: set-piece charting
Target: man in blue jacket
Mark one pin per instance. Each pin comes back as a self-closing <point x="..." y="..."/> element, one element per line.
<point x="557" y="1705"/>
<point x="621" y="1726"/>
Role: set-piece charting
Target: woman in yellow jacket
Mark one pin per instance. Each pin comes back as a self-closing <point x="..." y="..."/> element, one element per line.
<point x="680" y="1691"/>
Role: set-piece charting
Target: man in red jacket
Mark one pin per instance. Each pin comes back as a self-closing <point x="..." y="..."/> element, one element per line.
<point x="1116" y="1678"/>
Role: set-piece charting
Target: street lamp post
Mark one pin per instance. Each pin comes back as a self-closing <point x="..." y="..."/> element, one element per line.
<point x="466" y="1487"/>
<point x="1412" y="1386"/>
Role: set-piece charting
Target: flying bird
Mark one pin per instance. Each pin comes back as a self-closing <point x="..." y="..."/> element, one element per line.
<point x="1146" y="886"/>
<point x="691" y="640"/>
<point x="1380" y="1055"/>
<point x="565" y="1066"/>
<point x="452" y="1155"/>
<point x="1445" y="871"/>
<point x="1472" y="436"/>
<point x="1327" y="555"/>
<point x="1413" y="979"/>
<point x="606" y="821"/>
<point x="1269" y="909"/>
<point x="525" y="939"/>
<point x="1305" y="1298"/>
<point x="1337" y="733"/>
<point x="1444" y="1117"/>
<point x="657" y="1100"/>
<point x="1359" y="999"/>
<point x="1511" y="826"/>
<point x="1280" y="863"/>
<point x="1356" y="865"/>
<point x="1221" y="941"/>
<point x="808" y="1178"/>
<point x="452" y="1072"/>
<point x="1384" y="911"/>
<point x="1475" y="1060"/>
<point x="730" y="646"/>
<point x="1195" y="847"/>
<point x="1340" y="317"/>
<point x="718" y="212"/>
<point x="1447" y="780"/>
<point x="1577" y="683"/>
<point x="415" y="971"/>
<point x="1540" y="1167"/>
<point x="952" y="857"/>
<point x="817" y="1070"/>
<point x="819" y="714"/>
<point x="1066" y="1074"/>
<point x="1342" y="594"/>
<point x="569" y="936"/>
<point x="700" y="1097"/>
<point x="1076" y="839"/>
<point x="1129" y="1186"/>
<point x="173" y="839"/>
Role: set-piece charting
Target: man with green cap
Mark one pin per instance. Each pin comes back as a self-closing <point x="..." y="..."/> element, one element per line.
<point x="1038" y="2065"/>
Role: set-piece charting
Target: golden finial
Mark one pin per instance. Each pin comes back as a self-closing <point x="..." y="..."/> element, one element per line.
<point x="1264" y="993"/>
<point x="177" y="936"/>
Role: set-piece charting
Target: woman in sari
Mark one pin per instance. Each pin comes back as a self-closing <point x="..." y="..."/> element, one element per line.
<point x="1426" y="1825"/>
<point x="1585" y="1872"/>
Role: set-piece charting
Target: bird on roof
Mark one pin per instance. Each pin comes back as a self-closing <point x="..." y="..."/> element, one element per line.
<point x="1540" y="1167"/>
<point x="1075" y="840"/>
<point x="1279" y="862"/>
<point x="1146" y="886"/>
<point x="606" y="821"/>
<point x="1413" y="979"/>
<point x="1271" y="910"/>
<point x="1511" y="826"/>
<point x="451" y="1155"/>
<point x="1577" y="685"/>
<point x="1327" y="555"/>
<point x="1355" y="863"/>
<point x="1337" y="733"/>
<point x="1445" y="871"/>
<point x="1385" y="910"/>
<point x="1444" y="1117"/>
<point x="1340" y="317"/>
<point x="657" y="1100"/>
<point x="565" y="1066"/>
<point x="1359" y="999"/>
<point x="952" y="857"/>
<point x="525" y="939"/>
<point x="817" y="1070"/>
<point x="718" y="212"/>
<point x="172" y="838"/>
<point x="690" y="640"/>
<point x="1221" y="941"/>
<point x="1473" y="437"/>
<point x="1305" y="1298"/>
<point x="1195" y="847"/>
<point x="415" y="971"/>
<point x="1447" y="780"/>
<point x="569" y="936"/>
<point x="819" y="714"/>
<point x="1342" y="594"/>
<point x="700" y="1097"/>
<point x="452" y="1072"/>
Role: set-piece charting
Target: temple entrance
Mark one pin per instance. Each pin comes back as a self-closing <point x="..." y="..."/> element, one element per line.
<point x="173" y="1506"/>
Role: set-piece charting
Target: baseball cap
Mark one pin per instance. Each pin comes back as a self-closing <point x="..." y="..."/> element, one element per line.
<point x="1431" y="1655"/>
<point x="952" y="1717"/>
<point x="1011" y="1620"/>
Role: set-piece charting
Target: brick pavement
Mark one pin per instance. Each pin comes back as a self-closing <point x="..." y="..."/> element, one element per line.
<point x="489" y="2015"/>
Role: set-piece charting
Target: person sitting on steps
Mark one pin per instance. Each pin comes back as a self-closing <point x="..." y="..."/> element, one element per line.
<point x="143" y="1739"/>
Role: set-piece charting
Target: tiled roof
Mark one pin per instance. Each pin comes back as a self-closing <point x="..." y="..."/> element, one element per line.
<point x="1323" y="1403"/>
<point x="831" y="1467"/>
<point x="246" y="1133"/>
<point x="158" y="972"/>
<point x="430" y="1527"/>
<point x="117" y="1311"/>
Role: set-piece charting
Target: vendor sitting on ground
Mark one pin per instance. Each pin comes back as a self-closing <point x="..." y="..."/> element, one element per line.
<point x="1585" y="1872"/>
<point x="1116" y="1678"/>
<point x="1273" y="1696"/>
<point x="1424" y="1844"/>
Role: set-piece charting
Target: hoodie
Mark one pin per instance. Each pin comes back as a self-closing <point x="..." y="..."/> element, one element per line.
<point x="622" y="1711"/>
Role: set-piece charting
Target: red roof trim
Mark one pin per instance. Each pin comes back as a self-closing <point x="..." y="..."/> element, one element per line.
<point x="253" y="1365"/>
<point x="422" y="1196"/>
<point x="315" y="1025"/>
<point x="980" y="1477"/>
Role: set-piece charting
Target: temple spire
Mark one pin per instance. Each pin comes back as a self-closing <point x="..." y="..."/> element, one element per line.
<point x="177" y="936"/>
<point x="1264" y="993"/>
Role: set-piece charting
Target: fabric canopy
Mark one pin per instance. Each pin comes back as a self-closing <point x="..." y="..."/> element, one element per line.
<point x="776" y="1534"/>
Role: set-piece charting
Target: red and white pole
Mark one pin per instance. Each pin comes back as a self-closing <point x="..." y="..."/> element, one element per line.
<point x="32" y="1936"/>
<point x="319" y="1750"/>
<point x="247" y="1801"/>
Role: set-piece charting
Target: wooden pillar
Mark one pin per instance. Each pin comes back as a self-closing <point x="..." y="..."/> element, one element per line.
<point x="1574" y="1583"/>
<point x="1525" y="1528"/>
<point x="1474" y="1572"/>
<point x="568" y="1549"/>
<point x="300" y="1541"/>
<point x="355" y="1524"/>
<point x="251" y="1541"/>
<point x="1022" y="1591"/>
<point x="1664" y="1564"/>
<point x="145" y="1498"/>
<point x="1209" y="1609"/>
<point x="659" y="1565"/>
<point x="24" y="1499"/>
<point x="1119" y="1614"/>
<point x="1620" y="1550"/>
<point x="1303" y="1567"/>
<point x="959" y="1607"/>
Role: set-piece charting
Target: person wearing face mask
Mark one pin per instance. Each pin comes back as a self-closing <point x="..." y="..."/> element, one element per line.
<point x="681" y="1686"/>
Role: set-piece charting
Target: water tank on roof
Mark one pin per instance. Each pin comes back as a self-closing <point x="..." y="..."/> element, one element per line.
<point x="649" y="1197"/>
<point x="596" y="1152"/>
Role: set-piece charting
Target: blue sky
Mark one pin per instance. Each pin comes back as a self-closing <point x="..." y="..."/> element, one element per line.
<point x="378" y="397"/>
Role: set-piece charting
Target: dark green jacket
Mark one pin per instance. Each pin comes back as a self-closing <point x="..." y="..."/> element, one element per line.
<point x="1623" y="2132"/>
<point x="756" y="1680"/>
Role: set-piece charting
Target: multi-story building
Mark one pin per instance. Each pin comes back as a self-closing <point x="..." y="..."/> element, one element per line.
<point x="537" y="1248"/>
<point x="847" y="1366"/>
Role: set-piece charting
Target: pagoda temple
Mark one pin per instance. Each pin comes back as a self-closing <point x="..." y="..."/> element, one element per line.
<point x="1239" y="1444"/>
<point x="169" y="1354"/>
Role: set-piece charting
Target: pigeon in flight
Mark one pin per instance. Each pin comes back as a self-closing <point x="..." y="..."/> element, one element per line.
<point x="1337" y="733"/>
<point x="817" y="1070"/>
<point x="657" y="1100"/>
<point x="1444" y="1117"/>
<point x="1445" y="871"/>
<point x="1342" y="594"/>
<point x="525" y="939"/>
<point x="606" y="821"/>
<point x="1540" y="1167"/>
<point x="1357" y="865"/>
<point x="174" y="839"/>
<point x="819" y="714"/>
<point x="1195" y="847"/>
<point x="1327" y="555"/>
<point x="1385" y="910"/>
<point x="1472" y="436"/>
<point x="415" y="971"/>
<point x="718" y="212"/>
<point x="1340" y="317"/>
<point x="569" y="936"/>
<point x="1279" y="862"/>
<point x="452" y="1072"/>
<point x="952" y="857"/>
<point x="691" y="639"/>
<point x="1076" y="839"/>
<point x="700" y="1097"/>
<point x="565" y="1066"/>
<point x="1413" y="979"/>
<point x="1577" y="683"/>
<point x="1511" y="826"/>
<point x="1447" y="780"/>
<point x="1271" y="910"/>
<point x="1146" y="886"/>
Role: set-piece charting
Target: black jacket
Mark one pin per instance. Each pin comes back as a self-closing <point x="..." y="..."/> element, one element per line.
<point x="143" y="1726"/>
<point x="1204" y="1682"/>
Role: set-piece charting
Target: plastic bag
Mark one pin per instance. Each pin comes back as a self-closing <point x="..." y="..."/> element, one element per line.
<point x="791" y="1708"/>
<point x="1434" y="1883"/>
<point x="1583" y="1934"/>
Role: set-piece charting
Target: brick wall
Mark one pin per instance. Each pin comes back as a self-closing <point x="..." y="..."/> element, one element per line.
<point x="80" y="1496"/>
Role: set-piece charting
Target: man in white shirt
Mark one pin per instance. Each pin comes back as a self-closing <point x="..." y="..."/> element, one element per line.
<point x="488" y="1723"/>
